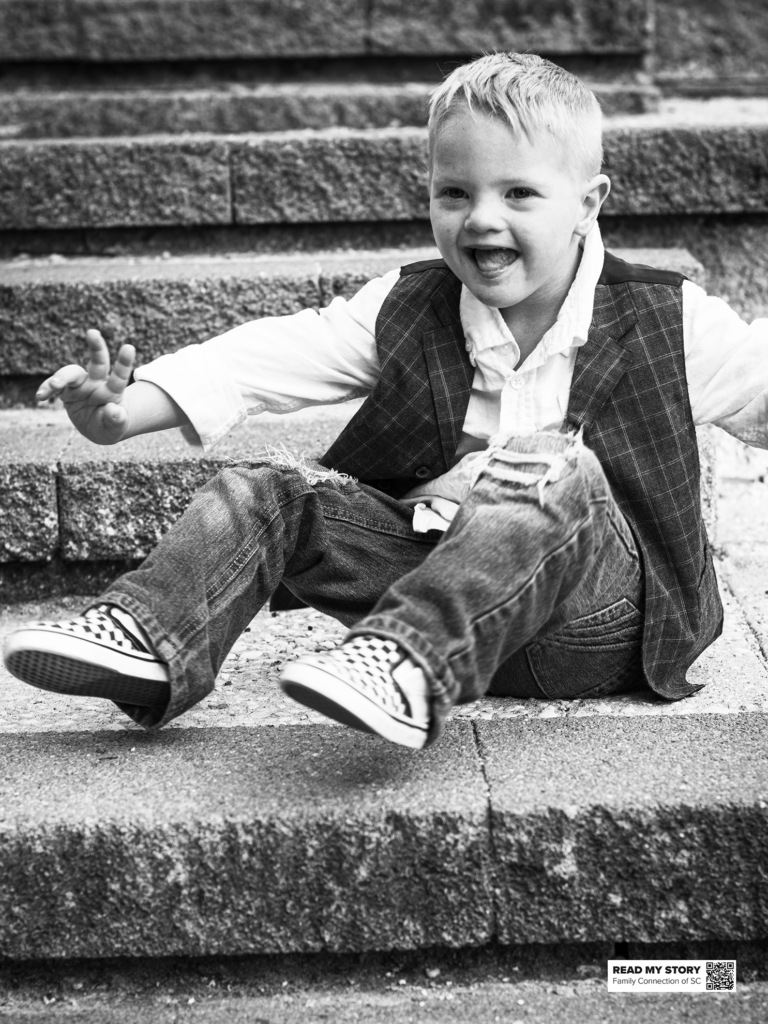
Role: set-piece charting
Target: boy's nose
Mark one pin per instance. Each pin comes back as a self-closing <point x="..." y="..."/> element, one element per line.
<point x="483" y="217"/>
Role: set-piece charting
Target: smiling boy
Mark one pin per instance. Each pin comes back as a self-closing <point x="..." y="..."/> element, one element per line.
<point x="509" y="209"/>
<point x="515" y="507"/>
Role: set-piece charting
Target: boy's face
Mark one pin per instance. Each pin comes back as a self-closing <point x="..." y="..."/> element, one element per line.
<point x="506" y="212"/>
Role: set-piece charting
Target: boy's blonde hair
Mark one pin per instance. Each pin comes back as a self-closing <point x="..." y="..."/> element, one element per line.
<point x="531" y="94"/>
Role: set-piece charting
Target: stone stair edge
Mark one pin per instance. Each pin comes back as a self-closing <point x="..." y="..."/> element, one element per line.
<point x="59" y="269"/>
<point x="49" y="302"/>
<point x="209" y="841"/>
<point x="303" y="90"/>
<point x="276" y="108"/>
<point x="190" y="29"/>
<point x="235" y="89"/>
<point x="63" y="269"/>
<point x="707" y="116"/>
<point x="657" y="168"/>
<point x="66" y="498"/>
<point x="63" y="496"/>
<point x="36" y="114"/>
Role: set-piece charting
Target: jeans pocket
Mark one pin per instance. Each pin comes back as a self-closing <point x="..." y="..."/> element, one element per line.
<point x="590" y="656"/>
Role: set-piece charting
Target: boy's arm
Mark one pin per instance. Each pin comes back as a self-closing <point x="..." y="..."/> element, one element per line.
<point x="276" y="364"/>
<point x="726" y="360"/>
<point x="99" y="401"/>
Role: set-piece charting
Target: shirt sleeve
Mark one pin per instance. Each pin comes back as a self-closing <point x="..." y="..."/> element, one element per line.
<point x="276" y="364"/>
<point x="726" y="362"/>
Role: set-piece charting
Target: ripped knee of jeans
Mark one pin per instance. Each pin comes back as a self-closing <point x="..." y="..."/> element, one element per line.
<point x="503" y="462"/>
<point x="282" y="458"/>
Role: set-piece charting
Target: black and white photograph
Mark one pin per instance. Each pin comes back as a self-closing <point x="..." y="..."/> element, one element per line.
<point x="383" y="512"/>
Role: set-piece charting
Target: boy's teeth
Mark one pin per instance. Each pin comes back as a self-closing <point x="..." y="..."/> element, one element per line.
<point x="494" y="259"/>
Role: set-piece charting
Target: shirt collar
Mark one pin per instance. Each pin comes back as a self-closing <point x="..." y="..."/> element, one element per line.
<point x="484" y="327"/>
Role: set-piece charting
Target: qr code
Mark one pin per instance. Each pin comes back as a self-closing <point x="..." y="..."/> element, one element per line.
<point x="721" y="975"/>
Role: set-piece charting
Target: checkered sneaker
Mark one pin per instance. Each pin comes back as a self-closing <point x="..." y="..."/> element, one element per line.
<point x="366" y="684"/>
<point x="97" y="624"/>
<point x="94" y="655"/>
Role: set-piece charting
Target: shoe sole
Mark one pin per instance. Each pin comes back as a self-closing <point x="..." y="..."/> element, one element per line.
<point x="85" y="670"/>
<point x="317" y="689"/>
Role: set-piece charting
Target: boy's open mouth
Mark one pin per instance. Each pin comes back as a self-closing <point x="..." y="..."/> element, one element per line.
<point x="492" y="261"/>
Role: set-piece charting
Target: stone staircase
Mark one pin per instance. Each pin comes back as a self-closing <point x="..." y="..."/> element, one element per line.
<point x="169" y="168"/>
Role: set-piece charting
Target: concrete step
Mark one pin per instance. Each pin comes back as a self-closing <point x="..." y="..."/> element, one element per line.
<point x="202" y="842"/>
<point x="251" y="827"/>
<point x="160" y="305"/>
<point x="717" y="49"/>
<point x="227" y="109"/>
<point x="183" y="30"/>
<point x="75" y="513"/>
<point x="659" y="164"/>
<point x="57" y="485"/>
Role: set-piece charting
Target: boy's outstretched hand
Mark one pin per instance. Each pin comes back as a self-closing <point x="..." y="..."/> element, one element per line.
<point x="93" y="397"/>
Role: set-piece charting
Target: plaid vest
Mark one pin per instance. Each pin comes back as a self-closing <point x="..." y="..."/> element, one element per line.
<point x="628" y="392"/>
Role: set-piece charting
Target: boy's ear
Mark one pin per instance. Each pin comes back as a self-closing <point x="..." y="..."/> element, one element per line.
<point x="595" y="194"/>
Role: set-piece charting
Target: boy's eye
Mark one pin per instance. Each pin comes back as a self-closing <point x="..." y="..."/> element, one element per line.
<point x="453" y="193"/>
<point x="521" y="193"/>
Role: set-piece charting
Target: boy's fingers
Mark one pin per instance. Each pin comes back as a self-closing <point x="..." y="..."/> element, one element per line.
<point x="121" y="371"/>
<point x="66" y="377"/>
<point x="45" y="391"/>
<point x="98" y="356"/>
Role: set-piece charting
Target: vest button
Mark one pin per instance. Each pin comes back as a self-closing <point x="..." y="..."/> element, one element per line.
<point x="423" y="472"/>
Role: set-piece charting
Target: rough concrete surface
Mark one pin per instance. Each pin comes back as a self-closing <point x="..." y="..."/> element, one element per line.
<point x="265" y="108"/>
<point x="112" y="30"/>
<point x="708" y="42"/>
<point x="400" y="1001"/>
<point x="656" y="169"/>
<point x="29" y="518"/>
<point x="630" y="811"/>
<point x="295" y="839"/>
<point x="43" y="323"/>
<point x="33" y="114"/>
<point x="112" y="183"/>
<point x="234" y="842"/>
<point x="695" y="169"/>
<point x="160" y="305"/>
<point x="333" y="175"/>
<point x="456" y="26"/>
<point x="144" y="30"/>
<point x="341" y="175"/>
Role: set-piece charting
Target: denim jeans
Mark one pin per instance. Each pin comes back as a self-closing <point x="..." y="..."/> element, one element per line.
<point x="536" y="590"/>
